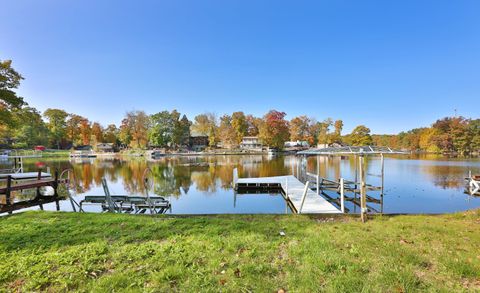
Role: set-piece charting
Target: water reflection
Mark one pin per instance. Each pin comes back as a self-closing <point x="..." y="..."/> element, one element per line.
<point x="413" y="183"/>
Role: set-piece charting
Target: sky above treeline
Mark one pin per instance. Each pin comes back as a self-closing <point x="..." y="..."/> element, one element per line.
<point x="391" y="65"/>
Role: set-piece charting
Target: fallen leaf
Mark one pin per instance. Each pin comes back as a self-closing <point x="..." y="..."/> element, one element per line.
<point x="404" y="241"/>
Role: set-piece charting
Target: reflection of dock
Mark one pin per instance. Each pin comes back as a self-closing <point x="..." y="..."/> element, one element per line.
<point x="302" y="198"/>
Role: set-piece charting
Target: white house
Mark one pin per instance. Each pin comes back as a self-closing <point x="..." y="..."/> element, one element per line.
<point x="251" y="143"/>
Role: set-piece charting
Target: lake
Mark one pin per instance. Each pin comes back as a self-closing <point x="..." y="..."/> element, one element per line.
<point x="203" y="184"/>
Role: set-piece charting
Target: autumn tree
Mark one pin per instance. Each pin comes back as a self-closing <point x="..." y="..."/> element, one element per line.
<point x="56" y="124"/>
<point x="73" y="127"/>
<point x="451" y="134"/>
<point x="85" y="131"/>
<point x="324" y="132"/>
<point x="240" y="126"/>
<point x="300" y="128"/>
<point x="274" y="129"/>
<point x="206" y="124"/>
<point x="111" y="134"/>
<point x="474" y="132"/>
<point x="253" y="124"/>
<point x="336" y="136"/>
<point x="226" y="132"/>
<point x="133" y="131"/>
<point x="98" y="132"/>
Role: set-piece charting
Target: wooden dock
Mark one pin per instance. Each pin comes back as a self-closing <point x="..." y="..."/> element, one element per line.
<point x="293" y="190"/>
<point x="23" y="181"/>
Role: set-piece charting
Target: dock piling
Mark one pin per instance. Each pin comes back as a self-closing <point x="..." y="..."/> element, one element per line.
<point x="305" y="191"/>
<point x="342" y="195"/>
<point x="8" y="191"/>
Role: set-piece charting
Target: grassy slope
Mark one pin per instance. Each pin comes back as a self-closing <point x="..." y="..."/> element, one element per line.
<point x="45" y="250"/>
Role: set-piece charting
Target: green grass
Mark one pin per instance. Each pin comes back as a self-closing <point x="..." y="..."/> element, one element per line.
<point x="55" y="153"/>
<point x="105" y="252"/>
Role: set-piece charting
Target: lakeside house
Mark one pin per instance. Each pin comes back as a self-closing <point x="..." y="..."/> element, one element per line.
<point x="105" y="148"/>
<point x="198" y="142"/>
<point x="82" y="151"/>
<point x="251" y="143"/>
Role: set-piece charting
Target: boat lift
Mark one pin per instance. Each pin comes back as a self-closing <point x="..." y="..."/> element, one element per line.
<point x="123" y="203"/>
<point x="359" y="185"/>
<point x="473" y="184"/>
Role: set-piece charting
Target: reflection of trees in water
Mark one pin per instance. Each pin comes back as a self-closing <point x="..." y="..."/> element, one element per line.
<point x="174" y="175"/>
<point x="169" y="179"/>
<point x="132" y="175"/>
<point x="205" y="181"/>
<point x="445" y="176"/>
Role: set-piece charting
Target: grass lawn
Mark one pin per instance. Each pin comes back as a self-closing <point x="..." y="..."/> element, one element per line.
<point x="105" y="252"/>
<point x="55" y="153"/>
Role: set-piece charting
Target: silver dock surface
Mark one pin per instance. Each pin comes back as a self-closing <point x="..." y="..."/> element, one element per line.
<point x="25" y="176"/>
<point x="293" y="188"/>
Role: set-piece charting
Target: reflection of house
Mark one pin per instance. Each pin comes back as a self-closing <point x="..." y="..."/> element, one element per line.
<point x="198" y="142"/>
<point x="251" y="143"/>
<point x="298" y="143"/>
<point x="105" y="147"/>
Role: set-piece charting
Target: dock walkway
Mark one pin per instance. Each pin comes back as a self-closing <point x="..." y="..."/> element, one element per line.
<point x="293" y="189"/>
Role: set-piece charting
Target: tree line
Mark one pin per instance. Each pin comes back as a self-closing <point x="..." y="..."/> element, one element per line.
<point x="447" y="135"/>
<point x="23" y="126"/>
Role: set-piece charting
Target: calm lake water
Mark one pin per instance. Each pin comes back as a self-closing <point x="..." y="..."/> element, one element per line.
<point x="203" y="185"/>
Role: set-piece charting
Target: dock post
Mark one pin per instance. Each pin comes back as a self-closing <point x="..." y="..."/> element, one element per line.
<point x="55" y="191"/>
<point x="298" y="170"/>
<point x="318" y="175"/>
<point x="39" y="176"/>
<point x="55" y="185"/>
<point x="235" y="177"/>
<point x="383" y="172"/>
<point x="363" y="195"/>
<point x="342" y="195"/>
<point x="8" y="192"/>
<point x="305" y="191"/>
<point x="286" y="188"/>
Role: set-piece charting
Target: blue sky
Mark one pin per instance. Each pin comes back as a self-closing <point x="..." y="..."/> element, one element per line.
<point x="391" y="65"/>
